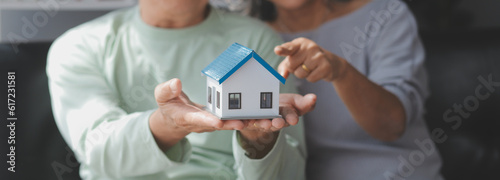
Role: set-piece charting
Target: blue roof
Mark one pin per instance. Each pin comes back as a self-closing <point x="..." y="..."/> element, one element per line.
<point x="231" y="60"/>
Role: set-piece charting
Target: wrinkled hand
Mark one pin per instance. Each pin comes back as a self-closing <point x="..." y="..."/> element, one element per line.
<point x="177" y="116"/>
<point x="291" y="107"/>
<point x="306" y="59"/>
<point x="259" y="136"/>
<point x="182" y="113"/>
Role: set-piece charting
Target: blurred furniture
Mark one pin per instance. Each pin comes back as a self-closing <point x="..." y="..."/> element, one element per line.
<point x="41" y="153"/>
<point x="455" y="63"/>
<point x="462" y="41"/>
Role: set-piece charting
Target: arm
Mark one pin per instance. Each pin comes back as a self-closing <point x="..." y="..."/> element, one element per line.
<point x="110" y="141"/>
<point x="88" y="113"/>
<point x="384" y="101"/>
<point x="275" y="154"/>
<point x="375" y="109"/>
<point x="280" y="155"/>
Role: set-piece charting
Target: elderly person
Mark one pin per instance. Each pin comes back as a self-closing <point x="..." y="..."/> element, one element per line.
<point x="365" y="62"/>
<point x="119" y="102"/>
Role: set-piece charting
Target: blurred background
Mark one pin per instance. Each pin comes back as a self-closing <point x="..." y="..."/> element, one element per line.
<point x="461" y="38"/>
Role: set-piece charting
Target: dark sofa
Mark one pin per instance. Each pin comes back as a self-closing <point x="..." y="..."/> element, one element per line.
<point x="470" y="145"/>
<point x="456" y="61"/>
<point x="462" y="40"/>
<point x="41" y="153"/>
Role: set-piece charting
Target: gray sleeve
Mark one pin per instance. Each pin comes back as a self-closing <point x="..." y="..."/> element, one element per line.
<point x="396" y="61"/>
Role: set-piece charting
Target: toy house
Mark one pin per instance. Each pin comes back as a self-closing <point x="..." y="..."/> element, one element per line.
<point x="241" y="85"/>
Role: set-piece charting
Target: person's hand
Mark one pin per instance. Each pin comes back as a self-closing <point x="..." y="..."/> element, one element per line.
<point x="177" y="116"/>
<point x="291" y="107"/>
<point x="378" y="111"/>
<point x="306" y="59"/>
<point x="259" y="136"/>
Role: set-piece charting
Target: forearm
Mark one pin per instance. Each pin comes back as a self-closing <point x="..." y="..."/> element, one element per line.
<point x="379" y="112"/>
<point x="286" y="160"/>
<point x="121" y="144"/>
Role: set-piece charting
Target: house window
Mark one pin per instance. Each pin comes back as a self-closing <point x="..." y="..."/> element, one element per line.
<point x="209" y="95"/>
<point x="218" y="100"/>
<point x="266" y="100"/>
<point x="234" y="100"/>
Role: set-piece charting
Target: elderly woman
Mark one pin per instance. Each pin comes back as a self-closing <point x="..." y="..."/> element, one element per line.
<point x="364" y="61"/>
<point x="119" y="103"/>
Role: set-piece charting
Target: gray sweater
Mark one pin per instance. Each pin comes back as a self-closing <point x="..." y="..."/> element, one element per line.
<point x="381" y="41"/>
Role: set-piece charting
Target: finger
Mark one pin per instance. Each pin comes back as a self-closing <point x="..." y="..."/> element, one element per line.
<point x="203" y="118"/>
<point x="252" y="125"/>
<point x="319" y="66"/>
<point x="300" y="72"/>
<point x="290" y="114"/>
<point x="278" y="123"/>
<point x="287" y="49"/>
<point x="248" y="124"/>
<point x="273" y="129"/>
<point x="282" y="69"/>
<point x="291" y="63"/>
<point x="233" y="125"/>
<point x="318" y="73"/>
<point x="303" y="104"/>
<point x="264" y="124"/>
<point x="296" y="60"/>
<point x="315" y="76"/>
<point x="190" y="118"/>
<point x="314" y="60"/>
<point x="203" y="129"/>
<point x="168" y="90"/>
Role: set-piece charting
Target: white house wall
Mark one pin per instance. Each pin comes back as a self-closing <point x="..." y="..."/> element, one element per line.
<point x="250" y="80"/>
<point x="212" y="83"/>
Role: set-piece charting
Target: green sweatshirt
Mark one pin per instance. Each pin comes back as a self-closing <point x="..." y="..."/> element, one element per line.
<point x="102" y="76"/>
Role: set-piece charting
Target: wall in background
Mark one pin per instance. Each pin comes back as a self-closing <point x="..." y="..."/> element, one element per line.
<point x="39" y="21"/>
<point x="29" y="25"/>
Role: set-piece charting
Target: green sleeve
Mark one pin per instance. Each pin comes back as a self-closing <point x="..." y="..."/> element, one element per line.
<point x="105" y="138"/>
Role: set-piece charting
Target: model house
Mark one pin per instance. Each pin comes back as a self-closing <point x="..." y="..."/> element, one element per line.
<point x="241" y="85"/>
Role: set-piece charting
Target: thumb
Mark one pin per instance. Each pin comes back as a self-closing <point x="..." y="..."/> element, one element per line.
<point x="306" y="103"/>
<point x="168" y="90"/>
<point x="303" y="104"/>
